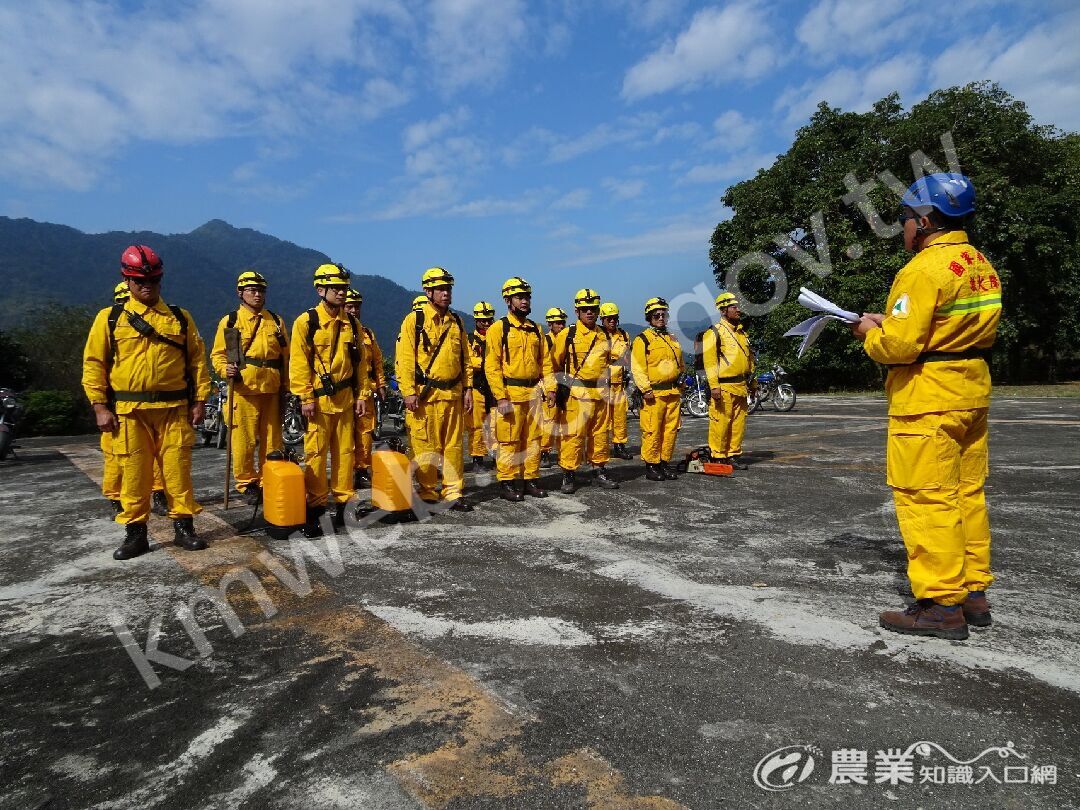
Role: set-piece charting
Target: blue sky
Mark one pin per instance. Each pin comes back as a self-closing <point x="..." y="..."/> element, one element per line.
<point x="574" y="143"/>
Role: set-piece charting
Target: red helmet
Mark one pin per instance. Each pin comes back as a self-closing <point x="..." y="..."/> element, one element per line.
<point x="139" y="261"/>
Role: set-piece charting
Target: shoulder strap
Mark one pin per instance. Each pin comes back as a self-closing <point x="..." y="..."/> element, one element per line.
<point x="114" y="316"/>
<point x="571" y="333"/>
<point x="418" y="332"/>
<point x="506" y="337"/>
<point x="644" y="340"/>
<point x="313" y="327"/>
<point x="277" y="322"/>
<point x="180" y="316"/>
<point x="230" y="322"/>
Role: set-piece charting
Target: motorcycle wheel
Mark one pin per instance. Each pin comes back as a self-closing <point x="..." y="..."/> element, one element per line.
<point x="219" y="437"/>
<point x="5" y="444"/>
<point x="784" y="399"/>
<point x="292" y="431"/>
<point x="698" y="403"/>
<point x="633" y="405"/>
<point x="752" y="402"/>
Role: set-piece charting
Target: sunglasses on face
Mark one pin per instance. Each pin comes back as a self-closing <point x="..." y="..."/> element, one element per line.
<point x="146" y="282"/>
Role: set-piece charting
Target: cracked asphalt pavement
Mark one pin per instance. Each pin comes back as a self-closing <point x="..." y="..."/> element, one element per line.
<point x="699" y="643"/>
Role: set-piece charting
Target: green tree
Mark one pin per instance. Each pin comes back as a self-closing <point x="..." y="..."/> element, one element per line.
<point x="1027" y="223"/>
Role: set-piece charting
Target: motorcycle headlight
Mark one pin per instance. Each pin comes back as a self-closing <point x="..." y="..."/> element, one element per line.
<point x="10" y="402"/>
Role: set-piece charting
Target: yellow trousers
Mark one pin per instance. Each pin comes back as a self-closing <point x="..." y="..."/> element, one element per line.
<point x="112" y="477"/>
<point x="435" y="429"/>
<point x="256" y="425"/>
<point x="550" y="424"/>
<point x="478" y="427"/>
<point x="518" y="435"/>
<point x="329" y="434"/>
<point x="659" y="427"/>
<point x="619" y="403"/>
<point x="727" y="424"/>
<point x="364" y="431"/>
<point x="147" y="435"/>
<point x="937" y="465"/>
<point x="587" y="433"/>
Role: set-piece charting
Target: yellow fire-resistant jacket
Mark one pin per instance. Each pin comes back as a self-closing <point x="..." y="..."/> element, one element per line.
<point x="946" y="299"/>
<point x="129" y="362"/>
<point x="326" y="352"/>
<point x="585" y="362"/>
<point x="725" y="351"/>
<point x="374" y="375"/>
<point x="656" y="361"/>
<point x="620" y="348"/>
<point x="514" y="366"/>
<point x="451" y="371"/>
<point x="259" y="337"/>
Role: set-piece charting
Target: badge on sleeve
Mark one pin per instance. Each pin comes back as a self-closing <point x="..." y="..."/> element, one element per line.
<point x="901" y="308"/>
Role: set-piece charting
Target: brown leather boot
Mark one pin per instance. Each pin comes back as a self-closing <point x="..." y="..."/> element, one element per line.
<point x="977" y="609"/>
<point x="925" y="617"/>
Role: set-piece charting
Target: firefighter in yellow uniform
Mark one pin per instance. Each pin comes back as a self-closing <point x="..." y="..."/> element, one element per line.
<point x="728" y="361"/>
<point x="616" y="393"/>
<point x="517" y="359"/>
<point x="435" y="378"/>
<point x="418" y="303"/>
<point x="256" y="388"/>
<point x="656" y="361"/>
<point x="372" y="384"/>
<point x="943" y="312"/>
<point x="112" y="476"/>
<point x="479" y="425"/>
<point x="550" y="418"/>
<point x="326" y="359"/>
<point x="146" y="359"/>
<point x="580" y="358"/>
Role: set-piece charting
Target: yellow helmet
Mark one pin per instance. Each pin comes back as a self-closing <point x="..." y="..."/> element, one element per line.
<point x="516" y="286"/>
<point x="587" y="298"/>
<point x="725" y="300"/>
<point x="121" y="293"/>
<point x="436" y="277"/>
<point x="418" y="302"/>
<point x="331" y="275"/>
<point x="353" y="297"/>
<point x="250" y="278"/>
<point x="653" y="304"/>
<point x="609" y="310"/>
<point x="556" y="314"/>
<point x="483" y="309"/>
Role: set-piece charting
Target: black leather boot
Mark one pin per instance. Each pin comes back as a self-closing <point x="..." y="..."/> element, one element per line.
<point x="620" y="451"/>
<point x="184" y="535"/>
<point x="569" y="483"/>
<point x="508" y="491"/>
<point x="159" y="504"/>
<point x="135" y="542"/>
<point x="337" y="519"/>
<point x="653" y="473"/>
<point x="533" y="490"/>
<point x="361" y="478"/>
<point x="669" y="473"/>
<point x="311" y="524"/>
<point x="117" y="506"/>
<point x="603" y="480"/>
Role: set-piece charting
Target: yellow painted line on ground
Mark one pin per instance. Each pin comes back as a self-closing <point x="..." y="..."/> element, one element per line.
<point x="481" y="759"/>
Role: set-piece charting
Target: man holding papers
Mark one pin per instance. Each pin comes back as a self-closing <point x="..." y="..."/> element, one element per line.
<point x="943" y="312"/>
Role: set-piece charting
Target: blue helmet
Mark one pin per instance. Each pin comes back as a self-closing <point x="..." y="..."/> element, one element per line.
<point x="950" y="193"/>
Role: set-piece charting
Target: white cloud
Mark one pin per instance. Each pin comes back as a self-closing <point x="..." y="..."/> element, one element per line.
<point x="422" y="132"/>
<point x="835" y="27"/>
<point x="740" y="167"/>
<point x="625" y="130"/>
<point x="849" y="89"/>
<point x="733" y="130"/>
<point x="648" y="14"/>
<point x="176" y="74"/>
<point x="471" y="42"/>
<point x="623" y="189"/>
<point x="428" y="196"/>
<point x="461" y="153"/>
<point x="578" y="198"/>
<point x="675" y="238"/>
<point x="1040" y="67"/>
<point x="720" y="45"/>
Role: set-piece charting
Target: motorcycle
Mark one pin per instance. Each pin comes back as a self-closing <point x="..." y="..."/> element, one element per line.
<point x="213" y="427"/>
<point x="393" y="409"/>
<point x="695" y="395"/>
<point x="770" y="387"/>
<point x="10" y="411"/>
<point x="634" y="399"/>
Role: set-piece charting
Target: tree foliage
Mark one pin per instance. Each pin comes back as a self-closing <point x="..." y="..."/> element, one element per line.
<point x="1027" y="179"/>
